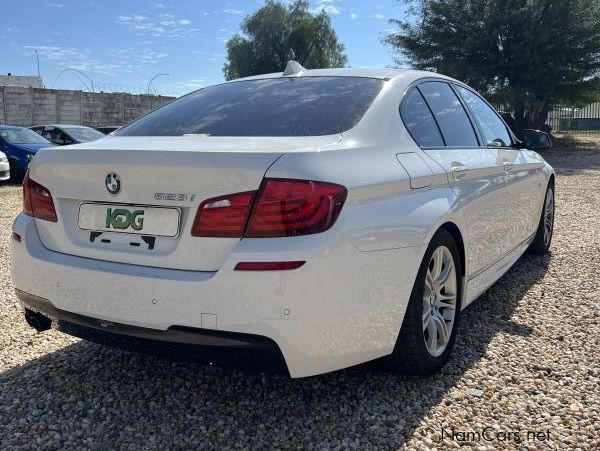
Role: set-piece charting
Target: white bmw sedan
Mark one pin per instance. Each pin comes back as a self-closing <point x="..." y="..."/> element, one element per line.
<point x="328" y="217"/>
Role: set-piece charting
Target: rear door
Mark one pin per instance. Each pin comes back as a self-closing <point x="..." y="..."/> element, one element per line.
<point x="519" y="169"/>
<point x="438" y="121"/>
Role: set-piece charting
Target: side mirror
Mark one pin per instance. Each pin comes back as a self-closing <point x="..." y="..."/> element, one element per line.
<point x="536" y="140"/>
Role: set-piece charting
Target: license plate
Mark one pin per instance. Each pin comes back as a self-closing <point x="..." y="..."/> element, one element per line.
<point x="141" y="220"/>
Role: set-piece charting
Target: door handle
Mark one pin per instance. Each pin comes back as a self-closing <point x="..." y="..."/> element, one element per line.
<point x="507" y="166"/>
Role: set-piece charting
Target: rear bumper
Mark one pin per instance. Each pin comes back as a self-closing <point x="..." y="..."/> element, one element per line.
<point x="342" y="308"/>
<point x="180" y="342"/>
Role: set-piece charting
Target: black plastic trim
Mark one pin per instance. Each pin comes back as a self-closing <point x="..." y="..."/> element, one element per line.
<point x="181" y="342"/>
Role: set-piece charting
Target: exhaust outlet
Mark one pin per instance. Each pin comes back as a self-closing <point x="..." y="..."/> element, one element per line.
<point x="38" y="321"/>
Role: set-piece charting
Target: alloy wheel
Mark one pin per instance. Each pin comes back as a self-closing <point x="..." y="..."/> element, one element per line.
<point x="439" y="301"/>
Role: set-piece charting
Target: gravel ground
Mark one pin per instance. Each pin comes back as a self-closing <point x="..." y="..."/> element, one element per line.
<point x="529" y="344"/>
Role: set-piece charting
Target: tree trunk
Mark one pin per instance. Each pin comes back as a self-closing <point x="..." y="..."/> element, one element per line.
<point x="538" y="114"/>
<point x="529" y="115"/>
<point x="519" y="121"/>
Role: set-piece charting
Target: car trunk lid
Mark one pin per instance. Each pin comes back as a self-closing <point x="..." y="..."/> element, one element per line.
<point x="165" y="178"/>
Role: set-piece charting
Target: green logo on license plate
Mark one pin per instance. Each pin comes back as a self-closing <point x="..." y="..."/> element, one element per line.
<point x="120" y="219"/>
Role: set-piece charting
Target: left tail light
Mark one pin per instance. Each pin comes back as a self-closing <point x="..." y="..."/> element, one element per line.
<point x="37" y="200"/>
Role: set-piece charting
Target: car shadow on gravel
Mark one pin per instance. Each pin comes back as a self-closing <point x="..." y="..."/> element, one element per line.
<point x="86" y="395"/>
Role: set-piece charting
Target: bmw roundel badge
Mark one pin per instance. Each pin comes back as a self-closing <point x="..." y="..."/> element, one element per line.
<point x="113" y="183"/>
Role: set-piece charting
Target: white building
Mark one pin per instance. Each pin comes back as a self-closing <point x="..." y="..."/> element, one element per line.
<point x="25" y="81"/>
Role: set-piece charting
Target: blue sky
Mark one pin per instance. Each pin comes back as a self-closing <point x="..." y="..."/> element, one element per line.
<point x="120" y="45"/>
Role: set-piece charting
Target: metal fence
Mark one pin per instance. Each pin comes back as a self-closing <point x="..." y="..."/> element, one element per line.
<point x="585" y="120"/>
<point x="573" y="120"/>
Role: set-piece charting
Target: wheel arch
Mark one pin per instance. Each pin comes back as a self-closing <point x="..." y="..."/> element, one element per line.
<point x="14" y="159"/>
<point x="456" y="234"/>
<point x="17" y="168"/>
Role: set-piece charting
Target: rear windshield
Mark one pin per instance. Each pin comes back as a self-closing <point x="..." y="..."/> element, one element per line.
<point x="303" y="106"/>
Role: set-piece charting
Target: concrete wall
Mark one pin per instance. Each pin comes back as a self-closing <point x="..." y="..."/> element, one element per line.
<point x="34" y="106"/>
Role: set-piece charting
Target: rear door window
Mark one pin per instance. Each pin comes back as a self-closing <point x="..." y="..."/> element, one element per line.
<point x="419" y="121"/>
<point x="48" y="133"/>
<point x="57" y="136"/>
<point x="449" y="113"/>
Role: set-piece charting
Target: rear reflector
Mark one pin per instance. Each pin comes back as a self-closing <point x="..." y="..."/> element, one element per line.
<point x="281" y="207"/>
<point x="268" y="266"/>
<point x="37" y="200"/>
<point x="223" y="216"/>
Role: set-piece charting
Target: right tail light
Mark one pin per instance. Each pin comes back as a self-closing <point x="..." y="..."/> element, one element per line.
<point x="280" y="208"/>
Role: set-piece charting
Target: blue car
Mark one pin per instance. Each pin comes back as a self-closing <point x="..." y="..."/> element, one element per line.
<point x="20" y="145"/>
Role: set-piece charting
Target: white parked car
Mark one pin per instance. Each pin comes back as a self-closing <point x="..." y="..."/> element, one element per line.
<point x="4" y="168"/>
<point x="330" y="217"/>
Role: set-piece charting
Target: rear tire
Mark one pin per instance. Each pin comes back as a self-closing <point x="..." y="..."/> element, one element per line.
<point x="16" y="172"/>
<point x="428" y="332"/>
<point x="543" y="237"/>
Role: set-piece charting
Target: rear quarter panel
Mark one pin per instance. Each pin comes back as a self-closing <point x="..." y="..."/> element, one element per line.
<point x="382" y="211"/>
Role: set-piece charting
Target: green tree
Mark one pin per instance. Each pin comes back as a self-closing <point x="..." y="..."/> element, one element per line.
<point x="526" y="54"/>
<point x="275" y="34"/>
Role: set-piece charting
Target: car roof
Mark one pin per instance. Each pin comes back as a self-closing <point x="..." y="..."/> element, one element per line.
<point x="61" y="126"/>
<point x="382" y="74"/>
